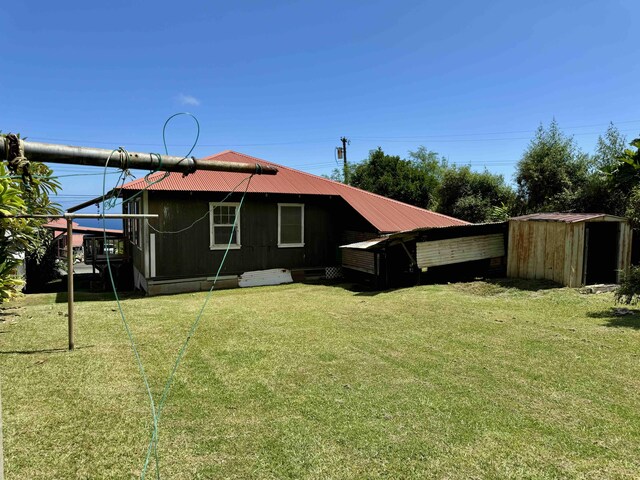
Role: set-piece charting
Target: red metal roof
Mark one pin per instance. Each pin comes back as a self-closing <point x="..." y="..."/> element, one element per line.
<point x="59" y="226"/>
<point x="566" y="217"/>
<point x="384" y="214"/>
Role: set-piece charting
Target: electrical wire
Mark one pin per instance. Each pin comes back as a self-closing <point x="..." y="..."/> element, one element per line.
<point x="315" y="141"/>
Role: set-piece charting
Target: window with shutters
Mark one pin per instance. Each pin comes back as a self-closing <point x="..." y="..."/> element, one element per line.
<point x="290" y="225"/>
<point x="223" y="217"/>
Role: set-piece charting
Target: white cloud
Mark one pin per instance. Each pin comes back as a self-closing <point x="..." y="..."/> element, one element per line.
<point x="188" y="100"/>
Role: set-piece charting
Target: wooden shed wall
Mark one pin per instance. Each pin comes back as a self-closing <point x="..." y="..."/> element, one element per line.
<point x="624" y="254"/>
<point x="546" y="250"/>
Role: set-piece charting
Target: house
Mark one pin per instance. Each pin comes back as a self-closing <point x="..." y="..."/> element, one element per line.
<point x="60" y="240"/>
<point x="293" y="221"/>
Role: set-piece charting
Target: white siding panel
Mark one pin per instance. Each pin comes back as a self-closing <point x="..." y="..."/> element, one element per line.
<point x="458" y="250"/>
<point x="274" y="276"/>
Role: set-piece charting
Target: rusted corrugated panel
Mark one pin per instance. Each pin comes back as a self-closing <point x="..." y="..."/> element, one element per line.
<point x="567" y="217"/>
<point x="384" y="214"/>
<point x="458" y="250"/>
<point x="360" y="260"/>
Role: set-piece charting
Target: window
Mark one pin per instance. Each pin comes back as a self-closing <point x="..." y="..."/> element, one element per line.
<point x="290" y="225"/>
<point x="222" y="219"/>
<point x="132" y="225"/>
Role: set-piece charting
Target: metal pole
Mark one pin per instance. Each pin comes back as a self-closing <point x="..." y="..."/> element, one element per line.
<point x="346" y="165"/>
<point x="70" y="280"/>
<point x="97" y="216"/>
<point x="68" y="154"/>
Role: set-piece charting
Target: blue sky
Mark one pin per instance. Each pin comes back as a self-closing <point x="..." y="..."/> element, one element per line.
<point x="284" y="80"/>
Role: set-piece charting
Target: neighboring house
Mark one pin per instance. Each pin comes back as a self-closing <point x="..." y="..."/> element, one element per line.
<point x="293" y="221"/>
<point x="60" y="242"/>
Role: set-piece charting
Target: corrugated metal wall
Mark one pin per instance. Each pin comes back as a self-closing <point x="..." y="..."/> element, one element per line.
<point x="459" y="250"/>
<point x="360" y="260"/>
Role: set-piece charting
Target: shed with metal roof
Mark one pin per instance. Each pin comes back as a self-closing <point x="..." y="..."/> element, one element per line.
<point x="572" y="249"/>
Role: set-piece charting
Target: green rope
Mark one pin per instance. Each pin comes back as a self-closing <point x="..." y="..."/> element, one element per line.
<point x="122" y="315"/>
<point x="156" y="409"/>
<point x="154" y="439"/>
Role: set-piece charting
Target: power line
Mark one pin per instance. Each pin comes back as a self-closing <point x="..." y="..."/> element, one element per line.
<point x="317" y="141"/>
<point x="459" y="140"/>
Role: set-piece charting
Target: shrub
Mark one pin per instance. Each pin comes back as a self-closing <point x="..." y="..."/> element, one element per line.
<point x="629" y="290"/>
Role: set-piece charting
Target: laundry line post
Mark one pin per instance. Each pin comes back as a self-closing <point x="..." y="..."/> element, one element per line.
<point x="70" y="261"/>
<point x="69" y="217"/>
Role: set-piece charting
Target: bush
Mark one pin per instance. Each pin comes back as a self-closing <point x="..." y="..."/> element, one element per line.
<point x="629" y="290"/>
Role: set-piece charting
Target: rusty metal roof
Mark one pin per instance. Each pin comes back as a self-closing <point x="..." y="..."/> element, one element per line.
<point x="568" y="217"/>
<point x="385" y="214"/>
<point x="60" y="225"/>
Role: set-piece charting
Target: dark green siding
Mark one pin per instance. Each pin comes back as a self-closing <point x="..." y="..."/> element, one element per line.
<point x="188" y="254"/>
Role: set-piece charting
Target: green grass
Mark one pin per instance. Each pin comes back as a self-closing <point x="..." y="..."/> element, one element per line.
<point x="479" y="380"/>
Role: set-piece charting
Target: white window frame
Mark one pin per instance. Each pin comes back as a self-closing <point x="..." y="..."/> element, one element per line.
<point x="133" y="228"/>
<point x="290" y="245"/>
<point x="233" y="246"/>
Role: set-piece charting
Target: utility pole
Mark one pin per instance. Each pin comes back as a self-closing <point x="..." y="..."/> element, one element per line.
<point x="344" y="156"/>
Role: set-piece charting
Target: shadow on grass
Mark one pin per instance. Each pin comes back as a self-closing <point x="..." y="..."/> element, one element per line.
<point x="363" y="290"/>
<point x="615" y="317"/>
<point x="43" y="350"/>
<point x="84" y="296"/>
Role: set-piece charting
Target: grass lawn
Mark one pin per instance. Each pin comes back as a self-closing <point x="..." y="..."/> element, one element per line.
<point x="478" y="380"/>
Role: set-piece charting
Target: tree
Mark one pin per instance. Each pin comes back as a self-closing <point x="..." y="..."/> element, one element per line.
<point x="609" y="148"/>
<point x="20" y="236"/>
<point x="552" y="171"/>
<point x="601" y="192"/>
<point x="337" y="174"/>
<point x="474" y="196"/>
<point x="412" y="181"/>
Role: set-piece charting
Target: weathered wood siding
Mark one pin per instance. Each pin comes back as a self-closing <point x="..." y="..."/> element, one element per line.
<point x="546" y="250"/>
<point x="624" y="254"/>
<point x="459" y="250"/>
<point x="556" y="250"/>
<point x="187" y="254"/>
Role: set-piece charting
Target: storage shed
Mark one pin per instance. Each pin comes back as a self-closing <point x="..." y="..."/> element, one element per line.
<point x="572" y="249"/>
